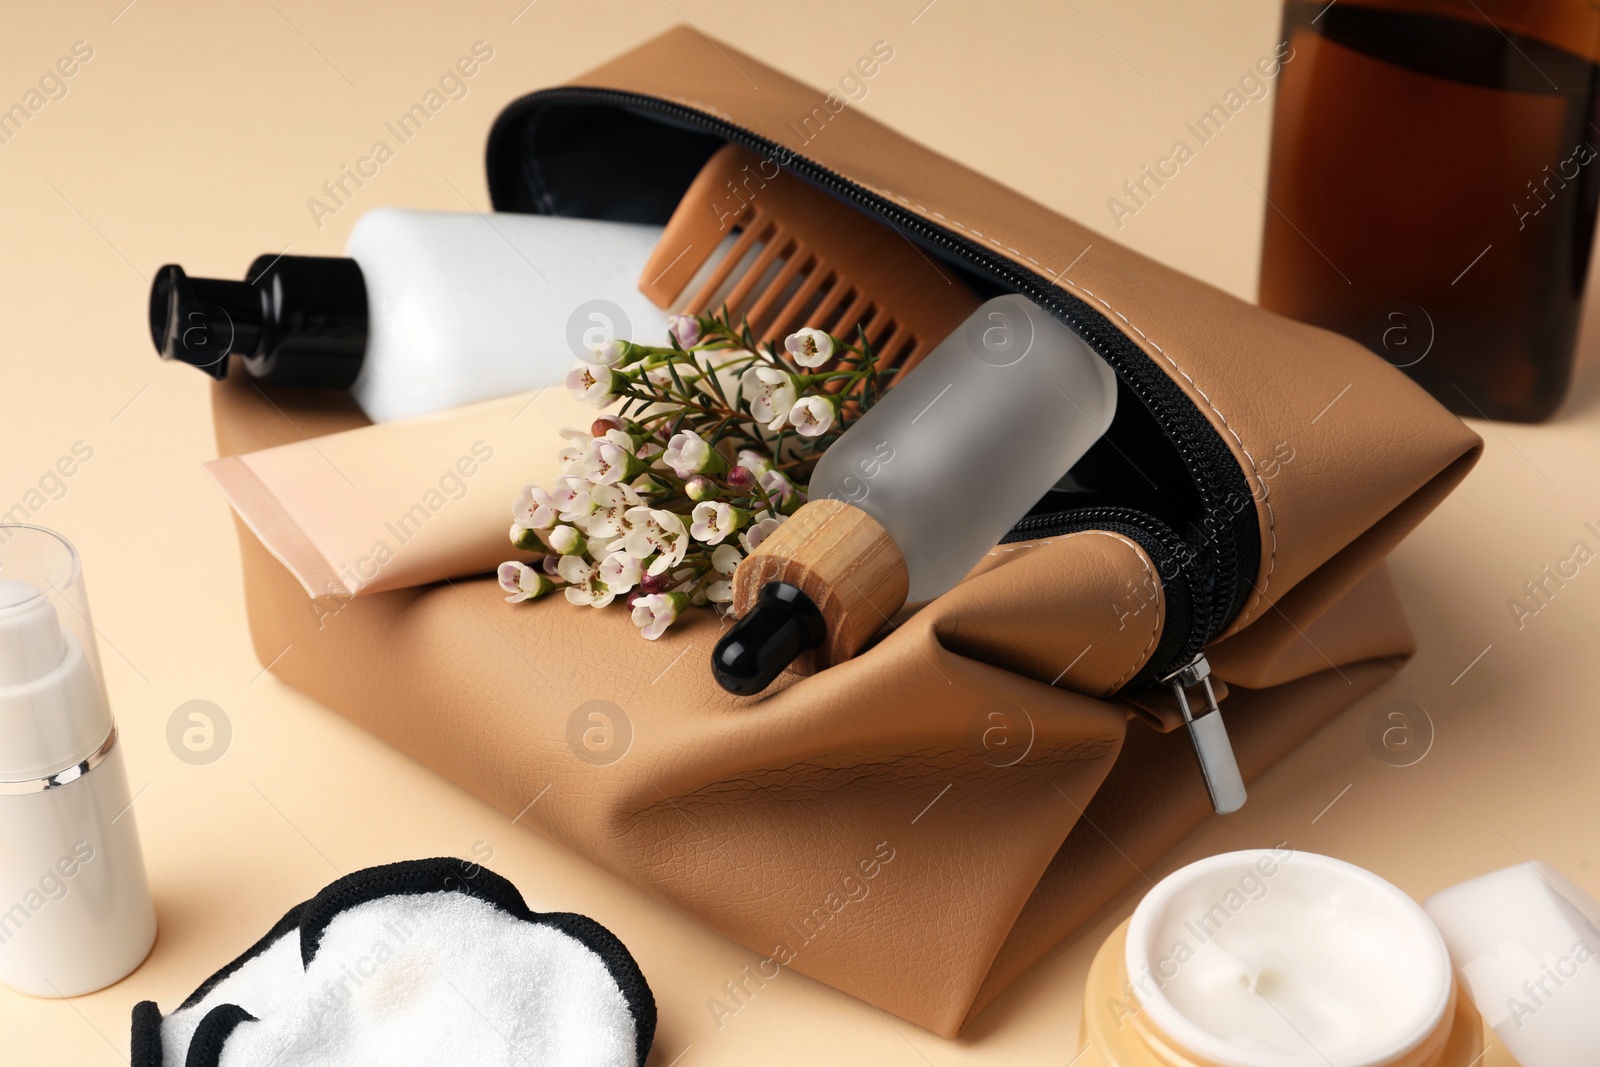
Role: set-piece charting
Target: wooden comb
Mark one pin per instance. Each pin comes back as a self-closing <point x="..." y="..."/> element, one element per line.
<point x="801" y="258"/>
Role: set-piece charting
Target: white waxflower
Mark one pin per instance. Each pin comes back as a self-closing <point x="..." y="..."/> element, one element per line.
<point x="687" y="453"/>
<point x="610" y="459"/>
<point x="592" y="592"/>
<point x="685" y="329"/>
<point x="712" y="521"/>
<point x="654" y="613"/>
<point x="699" y="488"/>
<point x="526" y="538"/>
<point x="609" y="354"/>
<point x="584" y="584"/>
<point x="657" y="533"/>
<point x="759" y="532"/>
<point x="574" y="497"/>
<point x="809" y="347"/>
<point x="566" y="540"/>
<point x="609" y="518"/>
<point x="577" y="444"/>
<point x="602" y="549"/>
<point x="535" y="509"/>
<point x="522" y="582"/>
<point x="594" y="384"/>
<point x="778" y="486"/>
<point x="812" y="416"/>
<point x="620" y="572"/>
<point x="753" y="461"/>
<point x="725" y="559"/>
<point x="770" y="392"/>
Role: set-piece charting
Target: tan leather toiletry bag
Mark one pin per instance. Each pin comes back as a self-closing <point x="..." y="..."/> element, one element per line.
<point x="919" y="825"/>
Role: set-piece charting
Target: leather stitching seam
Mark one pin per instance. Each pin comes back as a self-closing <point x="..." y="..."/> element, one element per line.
<point x="1144" y="561"/>
<point x="1155" y="629"/>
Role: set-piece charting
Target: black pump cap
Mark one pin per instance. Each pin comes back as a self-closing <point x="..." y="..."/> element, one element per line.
<point x="783" y="623"/>
<point x="200" y="321"/>
<point x="299" y="320"/>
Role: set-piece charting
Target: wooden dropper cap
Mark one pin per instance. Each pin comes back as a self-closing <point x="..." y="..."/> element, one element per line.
<point x="844" y="566"/>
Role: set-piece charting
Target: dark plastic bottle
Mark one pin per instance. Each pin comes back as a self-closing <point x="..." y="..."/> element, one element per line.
<point x="1434" y="177"/>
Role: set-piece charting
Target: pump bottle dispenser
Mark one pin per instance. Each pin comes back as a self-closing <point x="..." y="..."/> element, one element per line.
<point x="426" y="310"/>
<point x="75" y="910"/>
<point x="911" y="497"/>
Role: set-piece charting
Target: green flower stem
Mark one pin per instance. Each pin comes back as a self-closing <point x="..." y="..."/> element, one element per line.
<point x="766" y="498"/>
<point x="701" y="580"/>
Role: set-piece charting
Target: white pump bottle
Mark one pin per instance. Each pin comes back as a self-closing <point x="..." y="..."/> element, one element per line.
<point x="75" y="909"/>
<point x="426" y="310"/>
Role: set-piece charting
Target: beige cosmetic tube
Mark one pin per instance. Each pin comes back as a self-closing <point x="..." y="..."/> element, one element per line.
<point x="401" y="503"/>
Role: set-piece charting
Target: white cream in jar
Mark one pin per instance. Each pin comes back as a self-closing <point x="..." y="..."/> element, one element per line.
<point x="1278" y="958"/>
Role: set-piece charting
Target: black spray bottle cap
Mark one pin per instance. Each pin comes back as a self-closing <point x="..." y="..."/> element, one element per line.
<point x="298" y="320"/>
<point x="783" y="623"/>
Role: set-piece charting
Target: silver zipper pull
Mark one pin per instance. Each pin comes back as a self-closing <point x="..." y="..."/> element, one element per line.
<point x="1217" y="764"/>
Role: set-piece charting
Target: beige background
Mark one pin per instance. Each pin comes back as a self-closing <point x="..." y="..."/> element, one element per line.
<point x="197" y="134"/>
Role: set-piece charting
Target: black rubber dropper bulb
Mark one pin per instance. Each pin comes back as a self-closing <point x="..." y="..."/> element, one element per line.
<point x="299" y="320"/>
<point x="782" y="624"/>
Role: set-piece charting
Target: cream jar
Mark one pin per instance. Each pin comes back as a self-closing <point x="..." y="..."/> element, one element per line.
<point x="1277" y="958"/>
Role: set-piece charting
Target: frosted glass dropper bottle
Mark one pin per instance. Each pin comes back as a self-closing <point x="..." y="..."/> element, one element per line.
<point x="911" y="497"/>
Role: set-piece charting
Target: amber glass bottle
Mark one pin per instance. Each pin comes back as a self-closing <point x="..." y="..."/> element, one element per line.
<point x="1434" y="177"/>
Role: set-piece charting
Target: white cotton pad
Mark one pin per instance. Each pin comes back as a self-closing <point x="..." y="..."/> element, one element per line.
<point x="420" y="963"/>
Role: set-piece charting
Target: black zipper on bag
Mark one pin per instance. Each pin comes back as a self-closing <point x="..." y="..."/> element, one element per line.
<point x="1205" y="579"/>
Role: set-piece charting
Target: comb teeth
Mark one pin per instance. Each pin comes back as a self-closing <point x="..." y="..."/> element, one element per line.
<point x="801" y="258"/>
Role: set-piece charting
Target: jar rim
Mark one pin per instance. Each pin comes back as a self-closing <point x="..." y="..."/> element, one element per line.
<point x="1432" y="1002"/>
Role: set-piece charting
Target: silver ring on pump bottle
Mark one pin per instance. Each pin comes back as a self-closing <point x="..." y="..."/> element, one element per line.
<point x="63" y="777"/>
